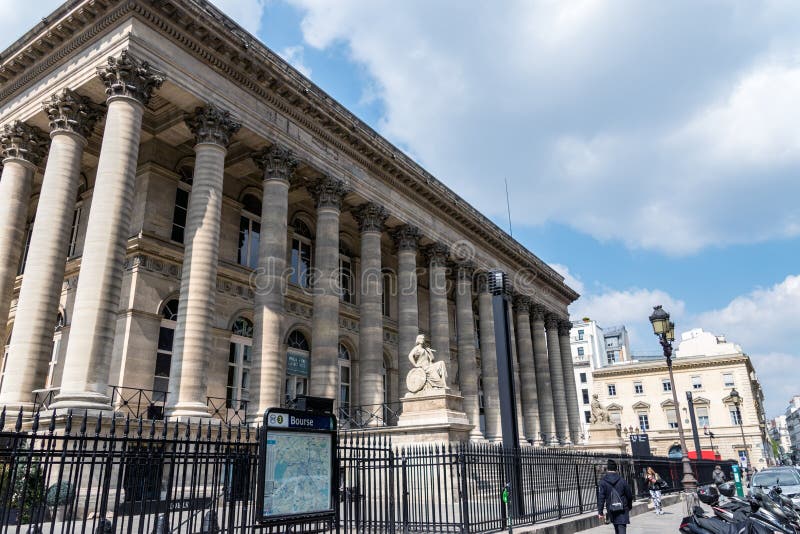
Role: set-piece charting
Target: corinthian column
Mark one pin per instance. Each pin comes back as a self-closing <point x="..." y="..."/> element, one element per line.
<point x="512" y="335"/>
<point x="213" y="129"/>
<point x="573" y="414"/>
<point x="269" y="361"/>
<point x="84" y="384"/>
<point x="547" y="423"/>
<point x="437" y="305"/>
<point x="406" y="240"/>
<point x="72" y="118"/>
<point x="557" y="378"/>
<point x="371" y="218"/>
<point x="467" y="361"/>
<point x="325" y="323"/>
<point x="527" y="372"/>
<point x="22" y="147"/>
<point x="489" y="373"/>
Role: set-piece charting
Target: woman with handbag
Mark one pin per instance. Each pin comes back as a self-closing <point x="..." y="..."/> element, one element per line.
<point x="654" y="484"/>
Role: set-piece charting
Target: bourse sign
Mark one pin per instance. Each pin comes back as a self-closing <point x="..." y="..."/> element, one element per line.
<point x="297" y="475"/>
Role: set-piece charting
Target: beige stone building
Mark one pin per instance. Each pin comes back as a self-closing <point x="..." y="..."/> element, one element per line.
<point x="638" y="396"/>
<point x="189" y="225"/>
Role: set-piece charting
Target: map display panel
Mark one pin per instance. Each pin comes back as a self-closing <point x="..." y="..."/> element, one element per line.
<point x="298" y="474"/>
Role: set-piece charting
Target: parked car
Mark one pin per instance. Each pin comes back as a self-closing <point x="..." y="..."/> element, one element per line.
<point x="787" y="478"/>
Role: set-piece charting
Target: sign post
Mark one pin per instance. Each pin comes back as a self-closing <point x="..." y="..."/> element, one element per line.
<point x="737" y="478"/>
<point x="506" y="497"/>
<point x="297" y="475"/>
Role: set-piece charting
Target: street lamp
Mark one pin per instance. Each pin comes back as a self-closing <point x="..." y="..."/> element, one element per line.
<point x="710" y="435"/>
<point x="736" y="399"/>
<point x="665" y="330"/>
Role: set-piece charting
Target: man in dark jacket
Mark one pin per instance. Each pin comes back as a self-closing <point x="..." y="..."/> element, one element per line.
<point x="612" y="480"/>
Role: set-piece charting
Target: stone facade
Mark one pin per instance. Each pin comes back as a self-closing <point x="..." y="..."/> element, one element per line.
<point x="207" y="226"/>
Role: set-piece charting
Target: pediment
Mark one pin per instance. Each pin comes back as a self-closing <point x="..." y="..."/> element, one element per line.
<point x="614" y="407"/>
<point x="669" y="403"/>
<point x="641" y="405"/>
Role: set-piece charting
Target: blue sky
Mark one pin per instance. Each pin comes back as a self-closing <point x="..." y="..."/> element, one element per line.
<point x="652" y="149"/>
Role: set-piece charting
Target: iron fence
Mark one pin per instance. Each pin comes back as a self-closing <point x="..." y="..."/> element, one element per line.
<point x="86" y="474"/>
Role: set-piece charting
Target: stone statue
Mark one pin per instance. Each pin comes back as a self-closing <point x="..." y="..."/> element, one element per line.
<point x="426" y="373"/>
<point x="599" y="414"/>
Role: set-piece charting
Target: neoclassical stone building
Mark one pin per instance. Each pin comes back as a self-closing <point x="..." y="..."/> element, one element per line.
<point x="188" y="223"/>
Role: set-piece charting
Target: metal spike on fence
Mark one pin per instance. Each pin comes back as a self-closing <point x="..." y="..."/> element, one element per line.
<point x="51" y="428"/>
<point x="82" y="431"/>
<point x="188" y="433"/>
<point x="98" y="427"/>
<point x="68" y="423"/>
<point x="228" y="434"/>
<point x="161" y="526"/>
<point x="152" y="428"/>
<point x="127" y="428"/>
<point x="113" y="428"/>
<point x="18" y="425"/>
<point x="35" y="425"/>
<point x="164" y="430"/>
<point x="208" y="431"/>
<point x="210" y="525"/>
<point x="139" y="428"/>
<point x="175" y="430"/>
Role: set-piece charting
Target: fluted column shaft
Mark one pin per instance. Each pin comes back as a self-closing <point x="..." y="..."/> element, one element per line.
<point x="22" y="149"/>
<point x="557" y="379"/>
<point x="573" y="412"/>
<point x="193" y="336"/>
<point x="406" y="240"/>
<point x="437" y="306"/>
<point x="467" y="361"/>
<point x="371" y="218"/>
<point x="269" y="361"/>
<point x="489" y="373"/>
<point x="325" y="322"/>
<point x="84" y="383"/>
<point x="544" y="389"/>
<point x="530" y="401"/>
<point x="523" y="439"/>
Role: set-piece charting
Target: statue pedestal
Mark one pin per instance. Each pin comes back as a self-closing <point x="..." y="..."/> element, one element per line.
<point x="605" y="437"/>
<point x="432" y="416"/>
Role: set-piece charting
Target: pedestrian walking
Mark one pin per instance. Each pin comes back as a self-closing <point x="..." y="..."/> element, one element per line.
<point x="615" y="496"/>
<point x="718" y="476"/>
<point x="654" y="485"/>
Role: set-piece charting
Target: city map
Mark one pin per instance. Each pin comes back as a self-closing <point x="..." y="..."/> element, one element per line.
<point x="298" y="473"/>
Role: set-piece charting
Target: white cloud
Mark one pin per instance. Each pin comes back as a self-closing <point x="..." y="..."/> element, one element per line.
<point x="571" y="280"/>
<point x="294" y="55"/>
<point x="17" y="17"/>
<point x="618" y="119"/>
<point x="246" y="13"/>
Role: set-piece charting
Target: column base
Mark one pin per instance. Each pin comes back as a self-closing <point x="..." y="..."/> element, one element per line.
<point x="186" y="411"/>
<point x="80" y="401"/>
<point x="476" y="435"/>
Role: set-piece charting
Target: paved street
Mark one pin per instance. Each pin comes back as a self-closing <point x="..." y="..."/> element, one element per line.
<point x="648" y="523"/>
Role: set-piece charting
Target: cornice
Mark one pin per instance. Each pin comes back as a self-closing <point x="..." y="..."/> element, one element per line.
<point x="704" y="362"/>
<point x="208" y="34"/>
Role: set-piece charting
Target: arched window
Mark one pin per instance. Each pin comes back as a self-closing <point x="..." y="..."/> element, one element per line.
<point x="298" y="354"/>
<point x="166" y="337"/>
<point x="346" y="282"/>
<point x="302" y="242"/>
<point x="239" y="360"/>
<point x="344" y="381"/>
<point x="249" y="231"/>
<point x="24" y="259"/>
<point x="76" y="219"/>
<point x="186" y="172"/>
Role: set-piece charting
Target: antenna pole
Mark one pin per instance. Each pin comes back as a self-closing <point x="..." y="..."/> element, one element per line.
<point x="508" y="208"/>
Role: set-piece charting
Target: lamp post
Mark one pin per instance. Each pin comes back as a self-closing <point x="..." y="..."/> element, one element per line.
<point x="736" y="399"/>
<point x="710" y="435"/>
<point x="665" y="330"/>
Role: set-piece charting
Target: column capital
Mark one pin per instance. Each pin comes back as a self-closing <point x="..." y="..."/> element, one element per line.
<point x="551" y="320"/>
<point x="70" y="112"/>
<point x="564" y="326"/>
<point x="328" y="192"/>
<point x="437" y="254"/>
<point x="537" y="312"/>
<point x="371" y="217"/>
<point x="522" y="304"/>
<point x="127" y="76"/>
<point x="210" y="124"/>
<point x="406" y="237"/>
<point x="465" y="270"/>
<point x="277" y="162"/>
<point x="19" y="140"/>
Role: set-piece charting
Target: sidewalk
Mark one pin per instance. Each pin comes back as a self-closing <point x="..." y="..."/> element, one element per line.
<point x="648" y="523"/>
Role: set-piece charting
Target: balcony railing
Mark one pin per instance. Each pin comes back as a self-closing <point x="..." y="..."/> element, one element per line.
<point x="139" y="403"/>
<point x="369" y="416"/>
<point x="229" y="411"/>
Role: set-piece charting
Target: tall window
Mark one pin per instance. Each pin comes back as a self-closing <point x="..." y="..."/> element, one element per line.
<point x="73" y="233"/>
<point x="727" y="380"/>
<point x="166" y="336"/>
<point x="585" y="395"/>
<point x="239" y="359"/>
<point x="666" y="385"/>
<point x="702" y="415"/>
<point x="644" y="422"/>
<point x="346" y="282"/>
<point x="611" y="357"/>
<point x="344" y="381"/>
<point x="25" y="250"/>
<point x="297" y="366"/>
<point x="587" y="416"/>
<point x="51" y="367"/>
<point x="583" y="378"/>
<point x="301" y="254"/>
<point x="638" y="388"/>
<point x="697" y="382"/>
<point x="181" y="203"/>
<point x="612" y="390"/>
<point x="672" y="418"/>
<point x="249" y="231"/>
<point x="580" y="351"/>
<point x="580" y="335"/>
<point x="736" y="415"/>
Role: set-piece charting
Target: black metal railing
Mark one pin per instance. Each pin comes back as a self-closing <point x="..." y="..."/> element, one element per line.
<point x="123" y="474"/>
<point x="138" y="402"/>
<point x="43" y="398"/>
<point x="369" y="415"/>
<point x="229" y="411"/>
